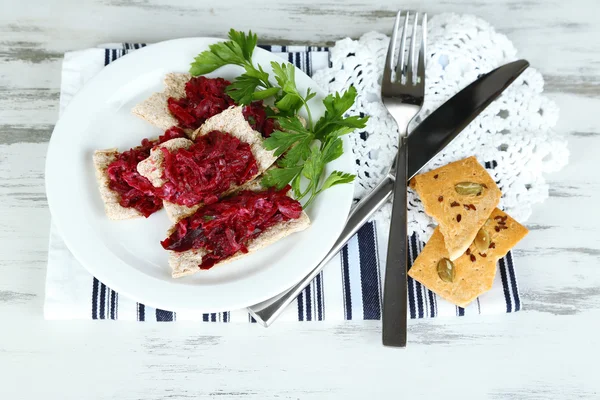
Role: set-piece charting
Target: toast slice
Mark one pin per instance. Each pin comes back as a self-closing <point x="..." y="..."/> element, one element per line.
<point x="474" y="270"/>
<point x="232" y="121"/>
<point x="112" y="207"/>
<point x="187" y="262"/>
<point x="154" y="109"/>
<point x="460" y="196"/>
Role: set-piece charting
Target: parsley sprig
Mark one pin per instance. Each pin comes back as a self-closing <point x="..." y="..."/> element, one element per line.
<point x="254" y="83"/>
<point x="304" y="149"/>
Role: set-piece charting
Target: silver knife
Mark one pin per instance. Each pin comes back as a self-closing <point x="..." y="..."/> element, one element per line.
<point x="425" y="142"/>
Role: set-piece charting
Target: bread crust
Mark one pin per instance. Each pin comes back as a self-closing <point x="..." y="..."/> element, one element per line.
<point x="186" y="263"/>
<point x="112" y="208"/>
<point x="154" y="109"/>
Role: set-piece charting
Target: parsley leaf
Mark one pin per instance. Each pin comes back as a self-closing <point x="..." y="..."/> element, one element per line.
<point x="263" y="94"/>
<point x="336" y="178"/>
<point x="243" y="88"/>
<point x="279" y="177"/>
<point x="291" y="133"/>
<point x="247" y="43"/>
<point x="237" y="50"/>
<point x="285" y="75"/>
<point x="309" y="95"/>
<point x="291" y="100"/>
<point x="332" y="150"/>
<point x="337" y="105"/>
<point x="289" y="104"/>
<point x="206" y="62"/>
<point x="296" y="186"/>
<point x="298" y="153"/>
<point x="313" y="165"/>
<point x="333" y="122"/>
<point x="253" y="84"/>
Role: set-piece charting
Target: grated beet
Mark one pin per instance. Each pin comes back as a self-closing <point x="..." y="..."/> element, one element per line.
<point x="204" y="97"/>
<point x="226" y="227"/>
<point x="256" y="115"/>
<point x="135" y="190"/>
<point x="207" y="169"/>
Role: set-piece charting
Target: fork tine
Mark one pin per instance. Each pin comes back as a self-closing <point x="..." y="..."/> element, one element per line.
<point x="411" y="51"/>
<point x="400" y="68"/>
<point x="422" y="51"/>
<point x="389" y="61"/>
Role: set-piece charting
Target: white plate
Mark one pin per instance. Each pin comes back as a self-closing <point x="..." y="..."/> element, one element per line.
<point x="127" y="255"/>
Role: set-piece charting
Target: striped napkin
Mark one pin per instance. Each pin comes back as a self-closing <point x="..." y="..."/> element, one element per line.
<point x="349" y="288"/>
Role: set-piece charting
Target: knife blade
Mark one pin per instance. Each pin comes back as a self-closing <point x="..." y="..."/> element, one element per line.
<point x="432" y="135"/>
<point x="428" y="139"/>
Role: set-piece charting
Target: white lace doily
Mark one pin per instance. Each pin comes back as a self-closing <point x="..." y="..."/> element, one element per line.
<point x="515" y="131"/>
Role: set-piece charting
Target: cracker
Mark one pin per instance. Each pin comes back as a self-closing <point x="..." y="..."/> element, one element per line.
<point x="475" y="273"/>
<point x="437" y="192"/>
<point x="112" y="208"/>
<point x="154" y="109"/>
<point x="187" y="262"/>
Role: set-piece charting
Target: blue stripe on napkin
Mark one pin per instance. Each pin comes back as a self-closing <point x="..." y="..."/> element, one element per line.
<point x="346" y="283"/>
<point x="369" y="272"/>
<point x="162" y="315"/>
<point x="141" y="312"/>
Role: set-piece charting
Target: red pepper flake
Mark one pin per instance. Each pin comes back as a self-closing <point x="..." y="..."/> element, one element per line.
<point x="441" y="198"/>
<point x="484" y="185"/>
<point x="497" y="228"/>
<point x="498" y="217"/>
<point x="483" y="255"/>
<point x="466" y="206"/>
<point x="501" y="223"/>
<point x="435" y="176"/>
<point x="454" y="204"/>
<point x="468" y="251"/>
<point x="492" y="245"/>
<point x="458" y="218"/>
<point x="472" y="207"/>
<point x="473" y="258"/>
<point x="504" y="227"/>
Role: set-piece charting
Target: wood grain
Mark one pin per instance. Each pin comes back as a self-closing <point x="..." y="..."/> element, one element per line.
<point x="546" y="351"/>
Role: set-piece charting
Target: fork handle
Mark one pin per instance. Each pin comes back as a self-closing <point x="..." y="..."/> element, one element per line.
<point x="395" y="285"/>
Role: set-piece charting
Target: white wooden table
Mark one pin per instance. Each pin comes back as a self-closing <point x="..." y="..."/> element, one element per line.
<point x="548" y="351"/>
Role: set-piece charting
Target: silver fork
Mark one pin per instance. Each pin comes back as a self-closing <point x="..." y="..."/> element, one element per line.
<point x="402" y="92"/>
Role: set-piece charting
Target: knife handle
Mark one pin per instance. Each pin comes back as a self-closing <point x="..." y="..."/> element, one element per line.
<point x="395" y="285"/>
<point x="267" y="311"/>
